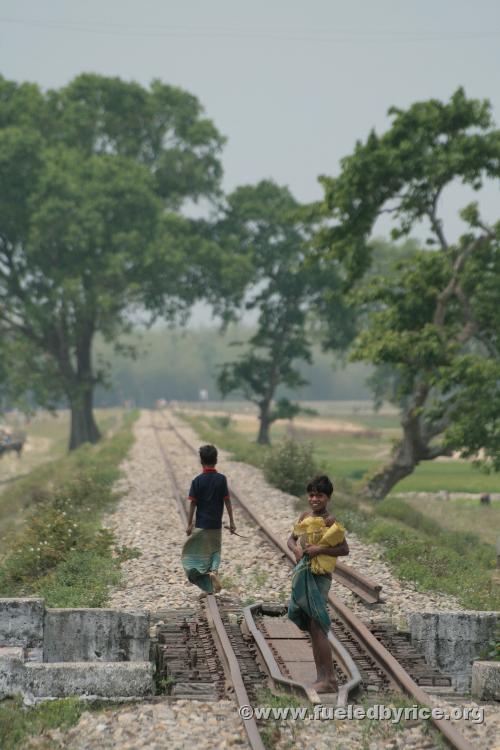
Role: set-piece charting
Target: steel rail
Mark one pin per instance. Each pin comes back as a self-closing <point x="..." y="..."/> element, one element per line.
<point x="356" y="582"/>
<point x="250" y="724"/>
<point x="391" y="667"/>
<point x="342" y="657"/>
<point x="341" y="654"/>
<point x="270" y="662"/>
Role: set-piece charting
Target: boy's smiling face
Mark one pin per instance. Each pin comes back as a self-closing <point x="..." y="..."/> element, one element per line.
<point x="318" y="501"/>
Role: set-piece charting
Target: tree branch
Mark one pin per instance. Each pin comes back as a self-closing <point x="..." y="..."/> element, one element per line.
<point x="436" y="222"/>
<point x="23" y="328"/>
<point x="435" y="451"/>
<point x="470" y="326"/>
<point x="452" y="288"/>
<point x="486" y="229"/>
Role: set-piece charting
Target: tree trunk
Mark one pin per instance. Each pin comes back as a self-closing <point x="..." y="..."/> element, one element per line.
<point x="384" y="480"/>
<point x="83" y="426"/>
<point x="407" y="454"/>
<point x="265" y="424"/>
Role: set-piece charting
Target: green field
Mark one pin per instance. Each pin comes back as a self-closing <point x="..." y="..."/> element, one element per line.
<point x="352" y="458"/>
<point x="461" y="514"/>
<point x="350" y="455"/>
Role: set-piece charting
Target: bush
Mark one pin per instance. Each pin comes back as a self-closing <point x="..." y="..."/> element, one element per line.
<point x="391" y="534"/>
<point x="290" y="465"/>
<point x="82" y="576"/>
<point x="65" y="521"/>
<point x="223" y="422"/>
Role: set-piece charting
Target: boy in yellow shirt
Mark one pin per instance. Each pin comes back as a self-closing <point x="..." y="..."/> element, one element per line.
<point x="316" y="541"/>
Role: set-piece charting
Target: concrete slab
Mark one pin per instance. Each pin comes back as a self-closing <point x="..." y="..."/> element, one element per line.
<point x="107" y="635"/>
<point x="11" y="670"/>
<point x="122" y="679"/>
<point x="486" y="680"/>
<point x="297" y="650"/>
<point x="302" y="671"/>
<point x="451" y="641"/>
<point x="280" y="627"/>
<point x="21" y="622"/>
<point x="56" y="653"/>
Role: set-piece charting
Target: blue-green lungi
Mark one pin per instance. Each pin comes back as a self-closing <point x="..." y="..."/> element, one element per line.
<point x="200" y="555"/>
<point x="309" y="596"/>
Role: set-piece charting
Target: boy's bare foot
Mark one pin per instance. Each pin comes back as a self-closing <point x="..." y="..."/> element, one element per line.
<point x="216" y="584"/>
<point x="325" y="686"/>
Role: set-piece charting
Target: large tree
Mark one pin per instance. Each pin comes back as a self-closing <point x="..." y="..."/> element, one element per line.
<point x="93" y="181"/>
<point x="432" y="325"/>
<point x="267" y="226"/>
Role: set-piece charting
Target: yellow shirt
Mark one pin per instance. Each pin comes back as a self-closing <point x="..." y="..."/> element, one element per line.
<point x="313" y="530"/>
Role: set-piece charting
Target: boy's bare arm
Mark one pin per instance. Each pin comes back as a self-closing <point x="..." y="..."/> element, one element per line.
<point x="294" y="547"/>
<point x="229" y="508"/>
<point x="189" y="527"/>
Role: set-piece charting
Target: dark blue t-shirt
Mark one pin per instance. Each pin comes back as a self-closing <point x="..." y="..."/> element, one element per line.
<point x="208" y="491"/>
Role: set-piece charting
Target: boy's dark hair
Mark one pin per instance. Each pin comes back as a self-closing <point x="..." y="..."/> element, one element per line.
<point x="208" y="455"/>
<point x="321" y="483"/>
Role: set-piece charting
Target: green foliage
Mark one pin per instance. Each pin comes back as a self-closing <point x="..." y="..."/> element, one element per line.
<point x="63" y="553"/>
<point x="270" y="733"/>
<point x="223" y="421"/>
<point x="397" y="509"/>
<point x="290" y="465"/>
<point x="229" y="439"/>
<point x="493" y="653"/>
<point x="432" y="324"/>
<point x="286" y="285"/>
<point x="17" y="724"/>
<point x="176" y="364"/>
<point x="435" y="559"/>
<point x="427" y="147"/>
<point x="472" y="387"/>
<point x="260" y="577"/>
<point x="94" y="178"/>
<point x="266" y="698"/>
<point x="164" y="685"/>
<point x="82" y="576"/>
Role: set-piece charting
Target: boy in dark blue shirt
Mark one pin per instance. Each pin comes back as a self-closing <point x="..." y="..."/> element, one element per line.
<point x="208" y="495"/>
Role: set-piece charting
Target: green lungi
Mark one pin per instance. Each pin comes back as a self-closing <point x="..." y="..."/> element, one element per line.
<point x="309" y="596"/>
<point x="201" y="554"/>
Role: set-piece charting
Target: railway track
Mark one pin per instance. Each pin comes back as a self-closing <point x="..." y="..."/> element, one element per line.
<point x="379" y="670"/>
<point x="366" y="589"/>
<point x="225" y="648"/>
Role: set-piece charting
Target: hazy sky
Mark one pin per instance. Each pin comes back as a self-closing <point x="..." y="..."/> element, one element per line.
<point x="291" y="83"/>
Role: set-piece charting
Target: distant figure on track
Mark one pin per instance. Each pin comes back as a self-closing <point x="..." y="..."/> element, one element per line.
<point x="316" y="541"/>
<point x="208" y="495"/>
